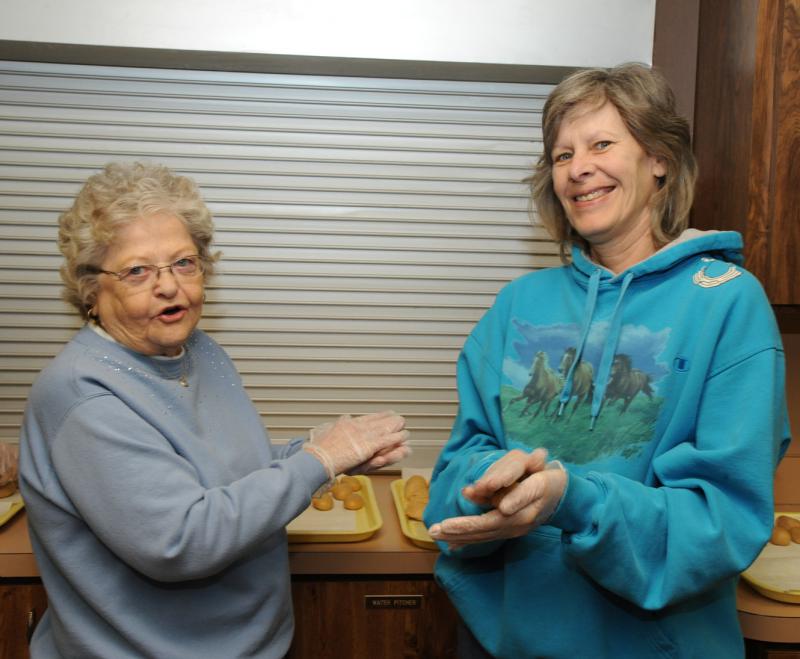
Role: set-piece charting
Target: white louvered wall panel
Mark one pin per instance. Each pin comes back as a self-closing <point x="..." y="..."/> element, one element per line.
<point x="365" y="223"/>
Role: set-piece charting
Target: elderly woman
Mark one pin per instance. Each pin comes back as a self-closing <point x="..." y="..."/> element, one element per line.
<point x="609" y="473"/>
<point x="156" y="502"/>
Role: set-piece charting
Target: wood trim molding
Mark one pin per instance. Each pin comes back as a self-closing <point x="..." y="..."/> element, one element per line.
<point x="675" y="49"/>
<point x="60" y="53"/>
<point x="785" y="216"/>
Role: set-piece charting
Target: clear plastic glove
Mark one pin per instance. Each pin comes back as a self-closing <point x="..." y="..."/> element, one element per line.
<point x="361" y="442"/>
<point x="382" y="459"/>
<point x="524" y="489"/>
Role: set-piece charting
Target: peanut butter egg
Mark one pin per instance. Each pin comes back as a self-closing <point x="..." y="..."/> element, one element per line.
<point x="324" y="502"/>
<point x="341" y="490"/>
<point x="352" y="481"/>
<point x="353" y="501"/>
<point x="780" y="536"/>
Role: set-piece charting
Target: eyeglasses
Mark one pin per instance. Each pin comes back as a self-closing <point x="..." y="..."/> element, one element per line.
<point x="185" y="267"/>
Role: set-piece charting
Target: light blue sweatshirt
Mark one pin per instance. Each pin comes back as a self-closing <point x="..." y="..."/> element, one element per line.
<point x="157" y="511"/>
<point x="670" y="381"/>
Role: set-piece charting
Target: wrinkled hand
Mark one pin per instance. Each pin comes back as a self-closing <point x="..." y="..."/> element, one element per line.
<point x="523" y="488"/>
<point x="504" y="475"/>
<point x="362" y="442"/>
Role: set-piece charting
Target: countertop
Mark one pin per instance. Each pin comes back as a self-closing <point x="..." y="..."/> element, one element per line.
<point x="387" y="552"/>
<point x="390" y="553"/>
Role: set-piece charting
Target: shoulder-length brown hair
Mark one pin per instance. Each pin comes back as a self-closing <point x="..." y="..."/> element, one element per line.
<point x="646" y="104"/>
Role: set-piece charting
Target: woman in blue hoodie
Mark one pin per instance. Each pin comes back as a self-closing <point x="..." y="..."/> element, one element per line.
<point x="609" y="473"/>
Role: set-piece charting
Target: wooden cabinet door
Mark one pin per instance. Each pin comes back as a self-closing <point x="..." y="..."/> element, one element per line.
<point x="21" y="606"/>
<point x="746" y="136"/>
<point x="773" y="220"/>
<point x="764" y="650"/>
<point x="350" y="618"/>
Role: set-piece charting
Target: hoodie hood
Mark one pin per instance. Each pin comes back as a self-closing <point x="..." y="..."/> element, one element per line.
<point x="726" y="245"/>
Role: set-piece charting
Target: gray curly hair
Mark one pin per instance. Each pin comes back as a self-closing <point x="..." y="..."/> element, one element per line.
<point x="112" y="199"/>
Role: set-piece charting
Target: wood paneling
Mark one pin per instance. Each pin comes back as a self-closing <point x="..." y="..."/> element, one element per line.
<point x="791" y="345"/>
<point x="747" y="134"/>
<point x="721" y="137"/>
<point x="675" y="49"/>
<point x="332" y="621"/>
<point x="22" y="604"/>
<point x="761" y="184"/>
<point x="787" y="482"/>
<point x="787" y="479"/>
<point x="762" y="650"/>
<point x="784" y="279"/>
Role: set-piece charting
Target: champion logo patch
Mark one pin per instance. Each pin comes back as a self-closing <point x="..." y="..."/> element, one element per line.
<point x="700" y="278"/>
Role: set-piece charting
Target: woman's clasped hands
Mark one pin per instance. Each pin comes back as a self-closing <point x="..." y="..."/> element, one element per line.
<point x="523" y="490"/>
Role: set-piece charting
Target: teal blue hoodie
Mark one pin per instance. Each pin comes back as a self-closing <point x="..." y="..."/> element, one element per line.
<point x="661" y="391"/>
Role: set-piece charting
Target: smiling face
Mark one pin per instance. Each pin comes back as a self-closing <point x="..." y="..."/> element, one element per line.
<point x="155" y="318"/>
<point x="605" y="181"/>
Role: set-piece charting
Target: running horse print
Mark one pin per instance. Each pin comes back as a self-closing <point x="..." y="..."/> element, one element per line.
<point x="542" y="388"/>
<point x="582" y="380"/>
<point x="626" y="382"/>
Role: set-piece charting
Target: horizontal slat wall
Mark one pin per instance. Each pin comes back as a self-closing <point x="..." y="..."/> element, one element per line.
<point x="365" y="224"/>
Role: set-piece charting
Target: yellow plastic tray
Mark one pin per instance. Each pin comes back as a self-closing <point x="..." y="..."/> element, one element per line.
<point x="776" y="567"/>
<point x="367" y="520"/>
<point x="413" y="529"/>
<point x="16" y="505"/>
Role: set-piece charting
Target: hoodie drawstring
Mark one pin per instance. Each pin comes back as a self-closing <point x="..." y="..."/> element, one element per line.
<point x="609" y="350"/>
<point x="588" y="312"/>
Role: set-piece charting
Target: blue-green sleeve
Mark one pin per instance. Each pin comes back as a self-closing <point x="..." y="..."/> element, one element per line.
<point x="712" y="509"/>
<point x="477" y="438"/>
